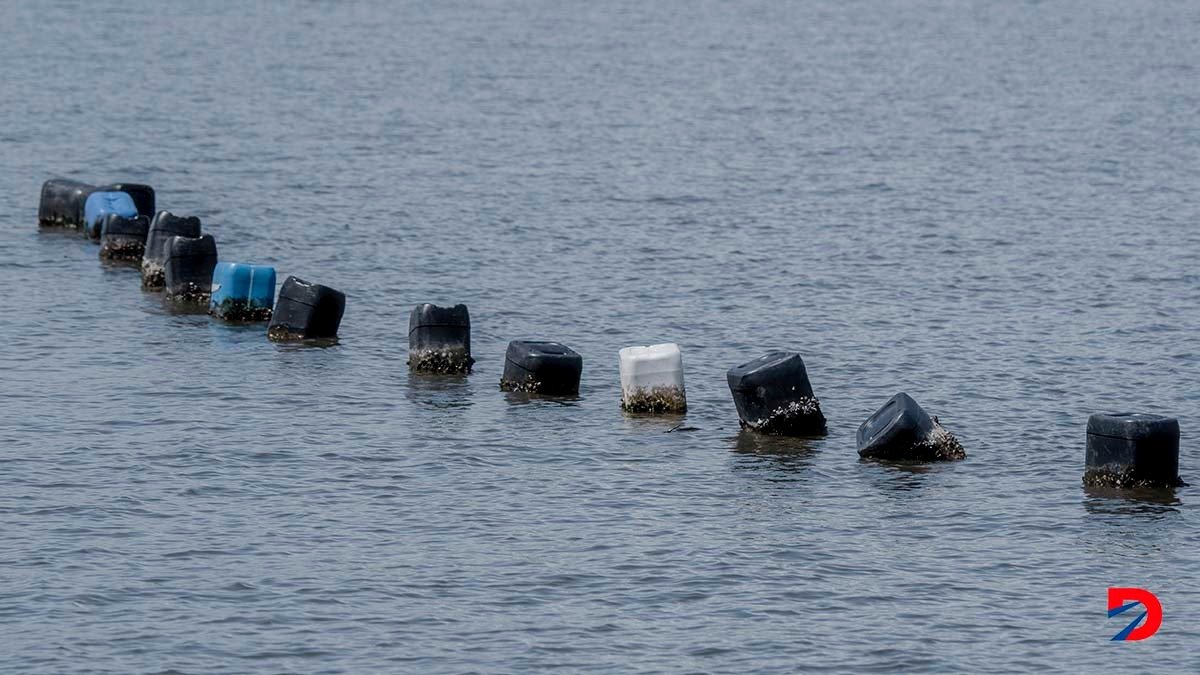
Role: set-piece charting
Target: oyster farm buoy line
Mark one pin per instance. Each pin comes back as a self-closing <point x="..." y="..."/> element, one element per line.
<point x="772" y="393"/>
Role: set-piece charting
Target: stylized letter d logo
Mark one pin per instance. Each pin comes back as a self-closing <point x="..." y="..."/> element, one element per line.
<point x="1122" y="599"/>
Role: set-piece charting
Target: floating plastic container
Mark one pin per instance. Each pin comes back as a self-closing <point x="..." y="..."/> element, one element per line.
<point x="541" y="368"/>
<point x="902" y="431"/>
<point x="306" y="311"/>
<point x="164" y="226"/>
<point x="62" y="202"/>
<point x="242" y="292"/>
<point x="142" y="195"/>
<point x="773" y="396"/>
<point x="652" y="379"/>
<point x="439" y="339"/>
<point x="123" y="238"/>
<point x="188" y="270"/>
<point x="1132" y="450"/>
<point x="100" y="204"/>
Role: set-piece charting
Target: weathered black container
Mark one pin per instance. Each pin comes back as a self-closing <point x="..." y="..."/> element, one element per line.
<point x="541" y="368"/>
<point x="164" y="226"/>
<point x="895" y="429"/>
<point x="142" y="195"/>
<point x="773" y="396"/>
<point x="123" y="238"/>
<point x="439" y="339"/>
<point x="62" y="201"/>
<point x="902" y="431"/>
<point x="306" y="311"/>
<point x="188" y="270"/>
<point x="1132" y="450"/>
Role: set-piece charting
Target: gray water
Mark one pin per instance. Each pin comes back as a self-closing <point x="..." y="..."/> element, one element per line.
<point x="990" y="205"/>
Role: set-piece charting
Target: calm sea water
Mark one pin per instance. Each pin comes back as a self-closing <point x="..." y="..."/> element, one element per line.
<point x="990" y="205"/>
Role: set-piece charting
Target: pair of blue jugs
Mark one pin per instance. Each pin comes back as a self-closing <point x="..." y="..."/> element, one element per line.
<point x="242" y="292"/>
<point x="100" y="204"/>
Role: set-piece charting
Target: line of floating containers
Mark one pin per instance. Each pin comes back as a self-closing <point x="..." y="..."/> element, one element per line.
<point x="176" y="257"/>
<point x="772" y="393"/>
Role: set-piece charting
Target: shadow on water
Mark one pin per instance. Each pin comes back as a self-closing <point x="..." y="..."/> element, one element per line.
<point x="782" y="458"/>
<point x="305" y="345"/>
<point x="439" y="391"/>
<point x="900" y="477"/>
<point x="238" y="332"/>
<point x="122" y="266"/>
<point x="765" y="445"/>
<point x="185" y="308"/>
<point x="1108" y="501"/>
<point x="650" y="423"/>
<point x="521" y="398"/>
<point x="1130" y="522"/>
<point x="59" y="233"/>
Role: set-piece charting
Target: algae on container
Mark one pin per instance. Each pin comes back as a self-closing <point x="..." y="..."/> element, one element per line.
<point x="773" y="396"/>
<point x="63" y="201"/>
<point x="1128" y="450"/>
<point x="652" y="379"/>
<point x="439" y="339"/>
<point x="541" y="368"/>
<point x="306" y="311"/>
<point x="123" y="238"/>
<point x="164" y="226"/>
<point x="242" y="292"/>
<point x="188" y="271"/>
<point x="902" y="430"/>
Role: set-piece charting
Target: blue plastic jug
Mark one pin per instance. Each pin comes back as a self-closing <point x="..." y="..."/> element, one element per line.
<point x="100" y="204"/>
<point x="242" y="292"/>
